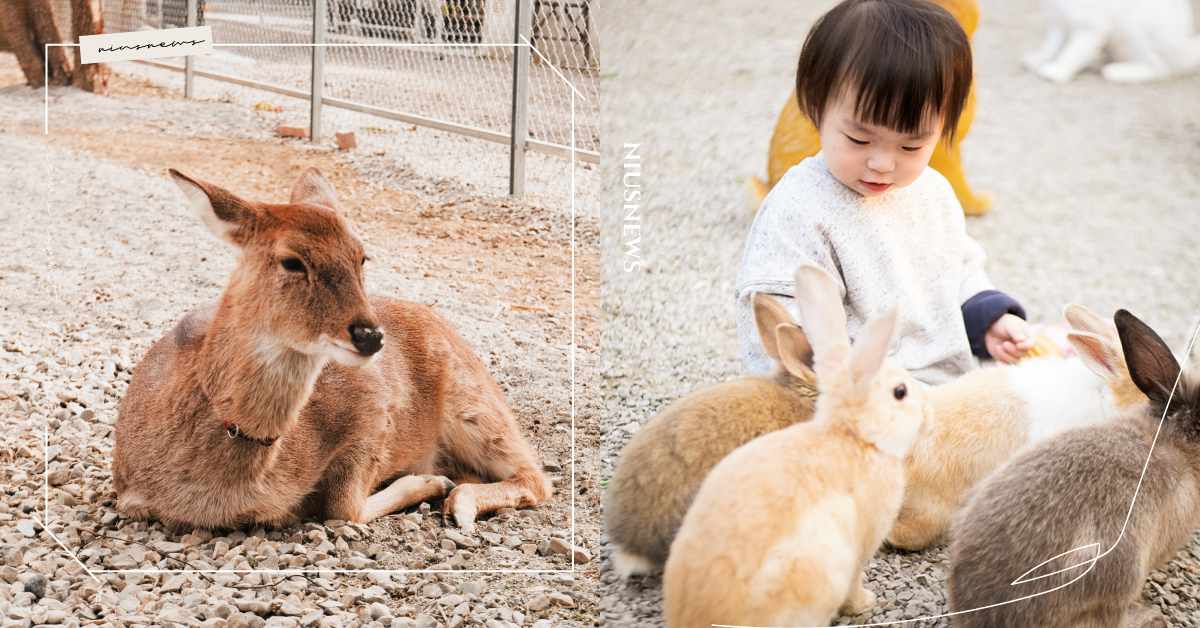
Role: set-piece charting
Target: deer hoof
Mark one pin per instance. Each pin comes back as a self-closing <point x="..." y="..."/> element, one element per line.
<point x="461" y="504"/>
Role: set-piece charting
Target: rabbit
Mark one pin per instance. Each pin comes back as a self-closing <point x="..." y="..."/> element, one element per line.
<point x="1145" y="41"/>
<point x="1062" y="510"/>
<point x="661" y="468"/>
<point x="782" y="528"/>
<point x="985" y="417"/>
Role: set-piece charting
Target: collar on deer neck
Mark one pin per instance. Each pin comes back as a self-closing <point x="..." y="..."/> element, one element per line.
<point x="233" y="431"/>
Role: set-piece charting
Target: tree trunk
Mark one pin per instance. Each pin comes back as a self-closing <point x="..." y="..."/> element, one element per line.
<point x="28" y="25"/>
<point x="87" y="19"/>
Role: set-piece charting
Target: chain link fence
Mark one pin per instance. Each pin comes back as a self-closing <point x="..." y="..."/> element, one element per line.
<point x="446" y="64"/>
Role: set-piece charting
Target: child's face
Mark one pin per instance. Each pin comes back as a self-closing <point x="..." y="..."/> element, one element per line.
<point x="872" y="159"/>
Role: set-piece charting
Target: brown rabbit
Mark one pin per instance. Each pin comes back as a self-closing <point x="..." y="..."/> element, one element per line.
<point x="1061" y="512"/>
<point x="664" y="463"/>
<point x="297" y="395"/>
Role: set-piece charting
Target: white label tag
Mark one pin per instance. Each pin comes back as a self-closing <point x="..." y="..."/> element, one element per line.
<point x="168" y="42"/>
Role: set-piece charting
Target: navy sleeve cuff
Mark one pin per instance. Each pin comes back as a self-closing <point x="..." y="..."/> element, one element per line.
<point x="983" y="309"/>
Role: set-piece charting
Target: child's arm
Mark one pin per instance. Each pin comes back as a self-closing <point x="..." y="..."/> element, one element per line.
<point x="995" y="321"/>
<point x="783" y="237"/>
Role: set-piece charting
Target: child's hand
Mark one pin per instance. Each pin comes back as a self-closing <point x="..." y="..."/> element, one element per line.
<point x="1008" y="339"/>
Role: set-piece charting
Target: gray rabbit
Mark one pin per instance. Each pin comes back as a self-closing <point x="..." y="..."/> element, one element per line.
<point x="1074" y="493"/>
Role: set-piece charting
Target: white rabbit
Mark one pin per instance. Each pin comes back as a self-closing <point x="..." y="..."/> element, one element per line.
<point x="1144" y="41"/>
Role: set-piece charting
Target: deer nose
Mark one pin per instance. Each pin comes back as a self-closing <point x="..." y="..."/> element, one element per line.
<point x="367" y="339"/>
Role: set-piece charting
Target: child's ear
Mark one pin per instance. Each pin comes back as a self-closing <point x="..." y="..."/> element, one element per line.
<point x="227" y="216"/>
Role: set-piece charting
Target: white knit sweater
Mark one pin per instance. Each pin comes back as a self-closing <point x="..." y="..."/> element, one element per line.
<point x="908" y="247"/>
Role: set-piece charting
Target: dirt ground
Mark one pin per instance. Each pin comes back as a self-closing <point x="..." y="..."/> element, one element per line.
<point x="100" y="257"/>
<point x="1096" y="187"/>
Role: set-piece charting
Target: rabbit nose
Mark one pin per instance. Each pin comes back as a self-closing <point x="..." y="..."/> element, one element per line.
<point x="366" y="338"/>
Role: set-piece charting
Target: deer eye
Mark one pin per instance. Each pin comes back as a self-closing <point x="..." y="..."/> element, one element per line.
<point x="292" y="264"/>
<point x="900" y="392"/>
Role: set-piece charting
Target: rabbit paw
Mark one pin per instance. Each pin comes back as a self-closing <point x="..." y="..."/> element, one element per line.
<point x="1055" y="72"/>
<point x="861" y="600"/>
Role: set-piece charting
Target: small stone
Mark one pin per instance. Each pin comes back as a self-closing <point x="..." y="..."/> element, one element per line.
<point x="346" y="141"/>
<point x="258" y="607"/>
<point x="473" y="588"/>
<point x="461" y="539"/>
<point x="539" y="603"/>
<point x="291" y="607"/>
<point x="559" y="546"/>
<point x="290" y="131"/>
<point x="425" y="621"/>
<point x="36" y="584"/>
<point x="379" y="611"/>
<point x="451" y="600"/>
<point x="25" y="527"/>
<point x="562" y="599"/>
<point x="56" y="616"/>
<point x="245" y="620"/>
<point x="58" y="476"/>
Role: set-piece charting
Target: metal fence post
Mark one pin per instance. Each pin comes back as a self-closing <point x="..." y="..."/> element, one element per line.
<point x="318" y="70"/>
<point x="189" y="68"/>
<point x="522" y="33"/>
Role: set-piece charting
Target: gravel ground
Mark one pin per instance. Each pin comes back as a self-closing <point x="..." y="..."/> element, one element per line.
<point x="101" y="257"/>
<point x="1096" y="189"/>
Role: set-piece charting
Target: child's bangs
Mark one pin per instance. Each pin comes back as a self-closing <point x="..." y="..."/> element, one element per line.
<point x="900" y="82"/>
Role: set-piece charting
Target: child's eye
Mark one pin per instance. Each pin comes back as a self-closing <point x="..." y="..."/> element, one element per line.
<point x="912" y="149"/>
<point x="856" y="141"/>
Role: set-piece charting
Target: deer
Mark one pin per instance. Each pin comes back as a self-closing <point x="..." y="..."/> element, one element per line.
<point x="296" y="395"/>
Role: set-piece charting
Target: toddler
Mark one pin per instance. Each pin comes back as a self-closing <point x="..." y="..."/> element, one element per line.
<point x="883" y="81"/>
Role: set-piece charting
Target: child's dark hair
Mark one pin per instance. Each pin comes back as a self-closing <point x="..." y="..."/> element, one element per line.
<point x="908" y="60"/>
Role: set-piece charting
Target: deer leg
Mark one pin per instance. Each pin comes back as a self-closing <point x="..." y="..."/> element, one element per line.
<point x="404" y="492"/>
<point x="490" y="444"/>
<point x="351" y="476"/>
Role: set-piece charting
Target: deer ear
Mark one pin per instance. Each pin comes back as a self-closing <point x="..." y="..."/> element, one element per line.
<point x="226" y="215"/>
<point x="314" y="189"/>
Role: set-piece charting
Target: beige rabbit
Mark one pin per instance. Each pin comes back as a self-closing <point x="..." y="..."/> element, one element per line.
<point x="1064" y="511"/>
<point x="782" y="528"/>
<point x="662" y="466"/>
<point x="987" y="416"/>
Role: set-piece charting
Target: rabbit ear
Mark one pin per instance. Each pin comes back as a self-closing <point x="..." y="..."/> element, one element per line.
<point x="1152" y="366"/>
<point x="1082" y="319"/>
<point x="872" y="347"/>
<point x="1098" y="354"/>
<point x="795" y="353"/>
<point x="769" y="314"/>
<point x="822" y="316"/>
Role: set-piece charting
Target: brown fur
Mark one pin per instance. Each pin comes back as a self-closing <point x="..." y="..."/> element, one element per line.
<point x="1076" y="490"/>
<point x="424" y="404"/>
<point x="662" y="467"/>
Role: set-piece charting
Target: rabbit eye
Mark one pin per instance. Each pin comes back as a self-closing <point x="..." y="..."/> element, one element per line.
<point x="900" y="392"/>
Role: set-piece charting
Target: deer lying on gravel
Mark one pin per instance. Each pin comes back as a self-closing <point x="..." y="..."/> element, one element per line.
<point x="296" y="395"/>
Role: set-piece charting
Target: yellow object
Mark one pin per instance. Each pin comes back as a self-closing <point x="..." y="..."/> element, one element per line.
<point x="1043" y="346"/>
<point x="795" y="137"/>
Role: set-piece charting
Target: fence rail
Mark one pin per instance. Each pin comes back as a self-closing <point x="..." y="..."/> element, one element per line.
<point x="452" y="65"/>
